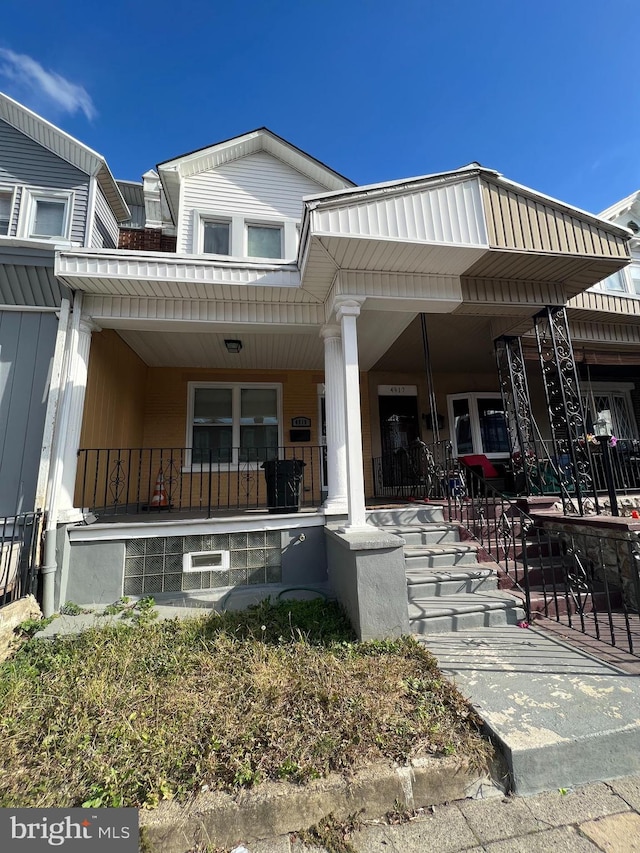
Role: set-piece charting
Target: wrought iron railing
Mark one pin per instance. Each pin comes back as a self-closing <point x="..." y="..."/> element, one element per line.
<point x="117" y="481"/>
<point x="417" y="471"/>
<point x="19" y="551"/>
<point x="587" y="581"/>
<point x="547" y="473"/>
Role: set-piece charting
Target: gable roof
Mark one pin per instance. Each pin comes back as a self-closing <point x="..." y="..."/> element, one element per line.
<point x="261" y="139"/>
<point x="629" y="205"/>
<point x="67" y="148"/>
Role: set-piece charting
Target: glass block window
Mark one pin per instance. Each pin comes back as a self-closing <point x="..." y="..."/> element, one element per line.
<point x="155" y="565"/>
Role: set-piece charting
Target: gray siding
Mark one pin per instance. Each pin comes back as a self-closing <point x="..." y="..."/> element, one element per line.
<point x="104" y="233"/>
<point x="24" y="162"/>
<point x="27" y="342"/>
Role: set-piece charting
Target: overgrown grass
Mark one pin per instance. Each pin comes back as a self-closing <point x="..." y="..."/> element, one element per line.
<point x="131" y="714"/>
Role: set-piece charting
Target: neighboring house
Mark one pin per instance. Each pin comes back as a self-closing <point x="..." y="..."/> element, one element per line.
<point x="54" y="192"/>
<point x="259" y="306"/>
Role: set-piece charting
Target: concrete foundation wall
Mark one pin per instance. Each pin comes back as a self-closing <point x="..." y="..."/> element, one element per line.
<point x="93" y="572"/>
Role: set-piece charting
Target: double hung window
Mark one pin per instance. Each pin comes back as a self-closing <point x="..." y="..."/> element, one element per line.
<point x="233" y="423"/>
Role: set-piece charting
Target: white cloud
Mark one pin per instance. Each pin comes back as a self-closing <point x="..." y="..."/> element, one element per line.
<point x="27" y="73"/>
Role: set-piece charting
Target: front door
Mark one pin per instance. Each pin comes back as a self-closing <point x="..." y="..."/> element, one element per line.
<point x="398" y="422"/>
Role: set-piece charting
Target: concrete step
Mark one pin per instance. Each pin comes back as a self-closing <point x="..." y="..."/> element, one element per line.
<point x="406" y="514"/>
<point x="429" y="583"/>
<point x="440" y="556"/>
<point x="560" y="717"/>
<point x="464" y="612"/>
<point x="426" y="534"/>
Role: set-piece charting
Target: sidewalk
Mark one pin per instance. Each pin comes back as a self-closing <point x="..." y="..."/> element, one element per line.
<point x="597" y="817"/>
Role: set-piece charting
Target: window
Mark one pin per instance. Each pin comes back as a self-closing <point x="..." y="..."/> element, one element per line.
<point x="216" y="237"/>
<point x="234" y="235"/>
<point x="233" y="423"/>
<point x="45" y="214"/>
<point x="6" y="203"/>
<point x="612" y="404"/>
<point x="264" y="241"/>
<point x="479" y="425"/>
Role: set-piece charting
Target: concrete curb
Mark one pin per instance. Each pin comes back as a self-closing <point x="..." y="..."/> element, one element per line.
<point x="277" y="808"/>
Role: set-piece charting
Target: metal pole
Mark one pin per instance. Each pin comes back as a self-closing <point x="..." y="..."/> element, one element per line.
<point x="608" y="472"/>
<point x="430" y="389"/>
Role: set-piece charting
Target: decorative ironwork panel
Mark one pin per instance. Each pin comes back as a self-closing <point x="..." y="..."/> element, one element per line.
<point x="517" y="406"/>
<point x="566" y="415"/>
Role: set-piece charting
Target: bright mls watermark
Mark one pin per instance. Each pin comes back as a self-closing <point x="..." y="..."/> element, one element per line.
<point x="77" y="830"/>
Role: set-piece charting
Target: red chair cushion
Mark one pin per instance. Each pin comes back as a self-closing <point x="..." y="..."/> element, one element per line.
<point x="480" y="461"/>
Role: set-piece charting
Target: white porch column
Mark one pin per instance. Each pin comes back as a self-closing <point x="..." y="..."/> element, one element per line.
<point x="76" y="387"/>
<point x="334" y="398"/>
<point x="347" y="313"/>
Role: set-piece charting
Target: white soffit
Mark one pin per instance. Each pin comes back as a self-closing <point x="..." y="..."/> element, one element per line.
<point x="277" y="351"/>
<point x="170" y="276"/>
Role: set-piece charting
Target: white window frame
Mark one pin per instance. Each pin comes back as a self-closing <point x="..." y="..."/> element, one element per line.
<point x="10" y="191"/>
<point x="476" y="434"/>
<point x="236" y="388"/>
<point x="238" y="235"/>
<point x="26" y="217"/>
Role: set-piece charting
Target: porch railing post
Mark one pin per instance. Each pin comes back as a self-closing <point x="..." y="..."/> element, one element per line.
<point x="562" y="391"/>
<point x="517" y="404"/>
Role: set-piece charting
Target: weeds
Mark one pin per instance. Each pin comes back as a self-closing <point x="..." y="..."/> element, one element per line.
<point x="141" y="711"/>
<point x="332" y="834"/>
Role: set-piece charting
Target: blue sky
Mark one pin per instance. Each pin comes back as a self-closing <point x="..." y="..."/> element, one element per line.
<point x="545" y="92"/>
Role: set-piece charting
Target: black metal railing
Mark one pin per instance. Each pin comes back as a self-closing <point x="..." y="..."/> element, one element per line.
<point x="590" y="582"/>
<point x="585" y="580"/>
<point x="417" y="471"/>
<point x="547" y="474"/>
<point x="19" y="551"/>
<point x="119" y="481"/>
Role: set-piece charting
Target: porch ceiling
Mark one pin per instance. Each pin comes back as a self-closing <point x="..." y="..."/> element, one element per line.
<point x="260" y="350"/>
<point x="271" y="346"/>
<point x="457" y="344"/>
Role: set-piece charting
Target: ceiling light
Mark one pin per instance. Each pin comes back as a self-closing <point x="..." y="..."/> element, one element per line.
<point x="232" y="345"/>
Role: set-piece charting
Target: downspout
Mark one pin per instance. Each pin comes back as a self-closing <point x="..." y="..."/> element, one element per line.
<point x="55" y="470"/>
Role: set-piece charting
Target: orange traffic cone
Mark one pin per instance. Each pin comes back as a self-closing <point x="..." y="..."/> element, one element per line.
<point x="159" y="493"/>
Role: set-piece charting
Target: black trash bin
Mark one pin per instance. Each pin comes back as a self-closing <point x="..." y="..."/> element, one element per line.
<point x="283" y="478"/>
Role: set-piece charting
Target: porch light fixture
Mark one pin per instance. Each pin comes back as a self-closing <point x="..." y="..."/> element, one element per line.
<point x="233" y="345"/>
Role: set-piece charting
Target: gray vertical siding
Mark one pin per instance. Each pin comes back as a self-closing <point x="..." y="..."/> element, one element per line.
<point x="24" y="162"/>
<point x="27" y="342"/>
<point x="105" y="231"/>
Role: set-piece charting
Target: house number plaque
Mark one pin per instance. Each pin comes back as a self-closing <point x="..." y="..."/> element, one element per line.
<point x="300" y="422"/>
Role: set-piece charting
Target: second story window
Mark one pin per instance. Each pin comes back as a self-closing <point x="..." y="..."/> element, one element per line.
<point x="45" y="214"/>
<point x="216" y="237"/>
<point x="264" y="241"/>
<point x="6" y="199"/>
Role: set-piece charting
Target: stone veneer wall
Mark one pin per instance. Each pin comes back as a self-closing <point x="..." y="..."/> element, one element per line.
<point x="611" y="545"/>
